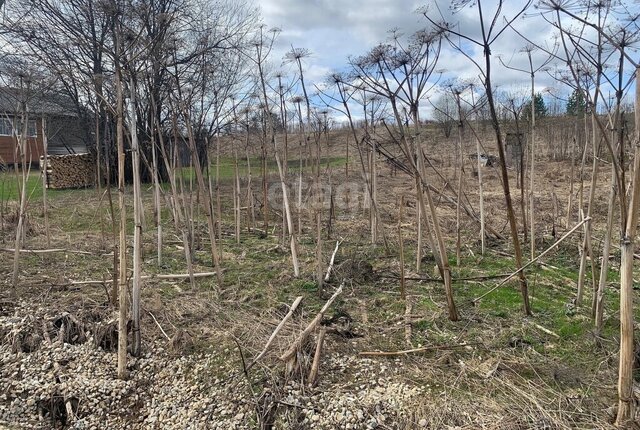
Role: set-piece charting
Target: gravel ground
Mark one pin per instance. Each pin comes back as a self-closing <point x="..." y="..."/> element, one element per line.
<point x="182" y="392"/>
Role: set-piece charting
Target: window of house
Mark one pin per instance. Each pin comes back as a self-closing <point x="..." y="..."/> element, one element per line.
<point x="32" y="130"/>
<point x="6" y="127"/>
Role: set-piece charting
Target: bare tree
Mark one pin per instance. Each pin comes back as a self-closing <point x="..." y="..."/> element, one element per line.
<point x="22" y="154"/>
<point x="444" y="112"/>
<point x="340" y="102"/>
<point x="528" y="50"/>
<point x="122" y="243"/>
<point x="629" y="210"/>
<point x="263" y="46"/>
<point x="490" y="32"/>
<point x="400" y="74"/>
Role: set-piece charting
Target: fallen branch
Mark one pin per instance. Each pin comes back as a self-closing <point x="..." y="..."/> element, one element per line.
<point x="333" y="257"/>
<point x="412" y="278"/>
<point x="290" y="354"/>
<point x="159" y="326"/>
<point x="315" y="367"/>
<point x="159" y="276"/>
<point x="546" y="330"/>
<point x="439" y="280"/>
<point x="547" y="266"/>
<point x="47" y="251"/>
<point x="286" y="318"/>
<point x="545" y="252"/>
<point x="410" y="351"/>
<point x="245" y="371"/>
<point x="179" y="275"/>
<point x="481" y="277"/>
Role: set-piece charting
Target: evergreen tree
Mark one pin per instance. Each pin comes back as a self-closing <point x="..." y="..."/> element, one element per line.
<point x="540" y="107"/>
<point x="576" y="104"/>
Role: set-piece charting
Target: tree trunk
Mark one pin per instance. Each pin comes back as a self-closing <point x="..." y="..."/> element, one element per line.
<point x="571" y="180"/>
<point x="285" y="198"/>
<point x="156" y="195"/>
<point x="403" y="293"/>
<point x="532" y="217"/>
<point x="505" y="184"/>
<point x="236" y="196"/>
<point x="460" y="182"/>
<point x="22" y="148"/>
<point x="481" y="193"/>
<point x="122" y="242"/>
<point x="45" y="206"/>
<point x="626" y="402"/>
<point x="586" y="243"/>
<point x="176" y="202"/>
<point x="206" y="201"/>
<point x="137" y="225"/>
<point x="598" y="300"/>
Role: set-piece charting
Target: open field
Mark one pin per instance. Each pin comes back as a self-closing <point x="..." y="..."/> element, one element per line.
<point x="494" y="368"/>
<point x="320" y="215"/>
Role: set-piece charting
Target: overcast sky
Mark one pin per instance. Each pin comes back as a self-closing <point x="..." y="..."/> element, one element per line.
<point x="333" y="30"/>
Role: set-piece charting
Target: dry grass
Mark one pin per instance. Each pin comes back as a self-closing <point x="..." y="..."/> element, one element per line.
<point x="511" y="376"/>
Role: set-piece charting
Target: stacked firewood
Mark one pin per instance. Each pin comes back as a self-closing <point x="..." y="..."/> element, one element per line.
<point x="69" y="171"/>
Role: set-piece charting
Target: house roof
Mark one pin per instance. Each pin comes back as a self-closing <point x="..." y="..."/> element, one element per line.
<point x="38" y="103"/>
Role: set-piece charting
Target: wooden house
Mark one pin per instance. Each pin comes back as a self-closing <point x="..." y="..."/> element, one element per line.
<point x="51" y="112"/>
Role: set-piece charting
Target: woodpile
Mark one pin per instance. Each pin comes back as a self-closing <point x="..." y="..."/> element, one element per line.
<point x="69" y="171"/>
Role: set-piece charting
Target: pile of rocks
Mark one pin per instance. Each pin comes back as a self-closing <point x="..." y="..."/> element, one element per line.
<point x="371" y="397"/>
<point x="185" y="392"/>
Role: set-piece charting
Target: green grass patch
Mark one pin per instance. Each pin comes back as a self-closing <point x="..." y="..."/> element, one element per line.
<point x="10" y="185"/>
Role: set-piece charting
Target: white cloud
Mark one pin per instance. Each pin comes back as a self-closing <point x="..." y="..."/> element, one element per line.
<point x="333" y="30"/>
